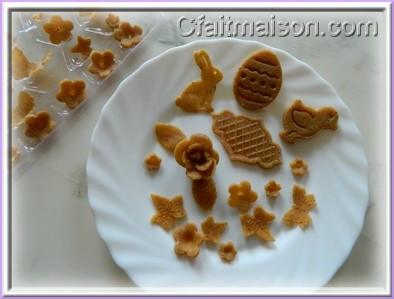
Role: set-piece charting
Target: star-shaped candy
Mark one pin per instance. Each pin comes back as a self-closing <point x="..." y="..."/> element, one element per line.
<point x="167" y="210"/>
<point x="83" y="46"/>
<point x="213" y="230"/>
<point x="258" y="224"/>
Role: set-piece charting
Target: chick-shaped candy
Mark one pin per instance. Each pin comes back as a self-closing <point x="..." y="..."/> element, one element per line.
<point x="303" y="122"/>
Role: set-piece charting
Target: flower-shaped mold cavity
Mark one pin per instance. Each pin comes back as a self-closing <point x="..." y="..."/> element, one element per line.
<point x="102" y="63"/>
<point x="112" y="21"/>
<point x="31" y="20"/>
<point x="71" y="93"/>
<point x="77" y="52"/>
<point x="128" y="35"/>
<point x="83" y="46"/>
<point x="39" y="125"/>
<point x="58" y="30"/>
<point x="97" y="22"/>
<point x="104" y="23"/>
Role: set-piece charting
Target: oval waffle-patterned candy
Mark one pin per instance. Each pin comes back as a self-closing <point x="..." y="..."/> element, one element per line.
<point x="246" y="139"/>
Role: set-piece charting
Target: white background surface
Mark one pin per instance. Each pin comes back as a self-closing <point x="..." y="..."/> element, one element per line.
<point x="54" y="239"/>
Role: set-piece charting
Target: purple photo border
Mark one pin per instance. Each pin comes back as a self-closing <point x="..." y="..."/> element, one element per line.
<point x="4" y="133"/>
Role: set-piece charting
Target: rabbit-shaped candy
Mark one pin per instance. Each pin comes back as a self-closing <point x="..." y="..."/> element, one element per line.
<point x="198" y="96"/>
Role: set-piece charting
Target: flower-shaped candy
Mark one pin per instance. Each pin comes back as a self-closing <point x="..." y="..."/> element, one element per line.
<point x="168" y="210"/>
<point x="103" y="63"/>
<point x="197" y="155"/>
<point x="96" y="20"/>
<point x="241" y="196"/>
<point x="152" y="162"/>
<point x="72" y="93"/>
<point x="227" y="252"/>
<point x="258" y="224"/>
<point x="59" y="30"/>
<point x="272" y="189"/>
<point x="188" y="240"/>
<point x="212" y="230"/>
<point x="83" y="46"/>
<point x="39" y="125"/>
<point x="128" y="35"/>
<point x="298" y="167"/>
<point x="112" y="21"/>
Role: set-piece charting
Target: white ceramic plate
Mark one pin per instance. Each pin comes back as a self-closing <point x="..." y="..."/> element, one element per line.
<point x="120" y="187"/>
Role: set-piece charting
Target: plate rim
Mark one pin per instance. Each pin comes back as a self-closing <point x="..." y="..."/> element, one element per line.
<point x="202" y="41"/>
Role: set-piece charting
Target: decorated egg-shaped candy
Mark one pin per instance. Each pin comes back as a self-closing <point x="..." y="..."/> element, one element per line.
<point x="258" y="80"/>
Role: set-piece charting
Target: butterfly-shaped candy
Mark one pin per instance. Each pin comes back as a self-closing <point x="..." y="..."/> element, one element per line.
<point x="298" y="215"/>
